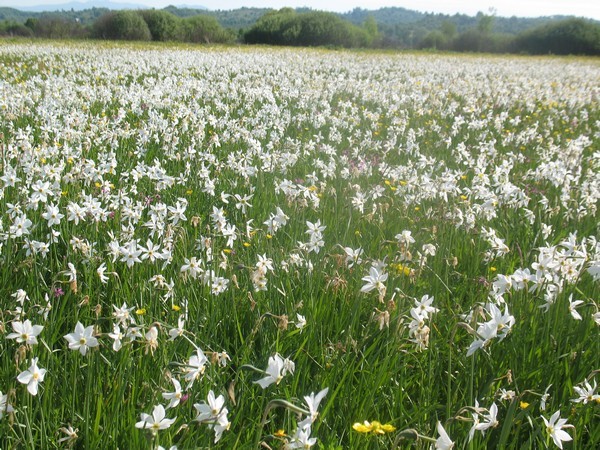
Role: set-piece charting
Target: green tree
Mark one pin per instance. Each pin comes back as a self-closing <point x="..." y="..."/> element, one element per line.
<point x="485" y="23"/>
<point x="370" y="26"/>
<point x="205" y="29"/>
<point x="163" y="25"/>
<point x="122" y="25"/>
<point x="435" y="40"/>
<point x="56" y="26"/>
<point x="448" y="29"/>
<point x="12" y="28"/>
<point x="286" y="27"/>
<point x="571" y="36"/>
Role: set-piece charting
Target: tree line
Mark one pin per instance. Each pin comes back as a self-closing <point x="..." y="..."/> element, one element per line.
<point x="130" y="25"/>
<point x="569" y="36"/>
<point x="313" y="28"/>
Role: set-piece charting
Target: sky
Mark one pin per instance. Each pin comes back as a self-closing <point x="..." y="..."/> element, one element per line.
<point x="506" y="8"/>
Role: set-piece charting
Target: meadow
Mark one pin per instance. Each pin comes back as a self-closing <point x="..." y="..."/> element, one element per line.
<point x="275" y="248"/>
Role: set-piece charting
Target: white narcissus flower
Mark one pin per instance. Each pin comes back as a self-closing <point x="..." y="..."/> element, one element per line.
<point x="312" y="401"/>
<point x="573" y="307"/>
<point x="71" y="435"/>
<point x="374" y="280"/>
<point x="544" y="398"/>
<point x="173" y="397"/>
<point x="155" y="422"/>
<point x="176" y="332"/>
<point x="25" y="332"/>
<point x="101" y="273"/>
<point x="424" y="306"/>
<point x="82" y="338"/>
<point x="301" y="323"/>
<point x="117" y="337"/>
<point x="405" y="238"/>
<point x="302" y="439"/>
<point x="273" y="371"/>
<point x="353" y="256"/>
<point x="443" y="442"/>
<point x="5" y="407"/>
<point x="52" y="215"/>
<point x="276" y="370"/>
<point x="32" y="377"/>
<point x="554" y="427"/>
<point x="587" y="393"/>
<point x="490" y="419"/>
<point x="195" y="368"/>
<point x="214" y="413"/>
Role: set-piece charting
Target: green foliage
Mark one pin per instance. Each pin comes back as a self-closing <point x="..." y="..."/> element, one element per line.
<point x="84" y="17"/>
<point x="122" y="25"/>
<point x="435" y="40"/>
<point x="286" y="27"/>
<point x="485" y="23"/>
<point x="163" y="25"/>
<point x="448" y="29"/>
<point x="370" y="26"/>
<point x="54" y="26"/>
<point x="11" y="28"/>
<point x="204" y="29"/>
<point x="572" y="36"/>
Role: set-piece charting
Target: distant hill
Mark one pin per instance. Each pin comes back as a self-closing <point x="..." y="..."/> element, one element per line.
<point x="235" y="18"/>
<point x="84" y="16"/>
<point x="83" y="5"/>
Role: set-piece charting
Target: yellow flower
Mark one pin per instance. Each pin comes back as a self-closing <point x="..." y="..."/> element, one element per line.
<point x="280" y="433"/>
<point x="362" y="428"/>
<point x="176" y="308"/>
<point x="404" y="270"/>
<point x="247" y="244"/>
<point x="523" y="405"/>
<point x="374" y="427"/>
<point x="269" y="236"/>
<point x="378" y="428"/>
<point x="141" y="311"/>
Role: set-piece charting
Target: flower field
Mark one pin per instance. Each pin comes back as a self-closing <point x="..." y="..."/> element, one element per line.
<point x="275" y="248"/>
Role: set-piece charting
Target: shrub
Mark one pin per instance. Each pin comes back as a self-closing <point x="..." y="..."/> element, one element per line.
<point x="204" y="29"/>
<point x="571" y="36"/>
<point x="286" y="27"/>
<point x="163" y="25"/>
<point x="122" y="25"/>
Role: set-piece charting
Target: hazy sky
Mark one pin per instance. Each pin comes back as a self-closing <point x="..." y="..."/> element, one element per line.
<point x="522" y="8"/>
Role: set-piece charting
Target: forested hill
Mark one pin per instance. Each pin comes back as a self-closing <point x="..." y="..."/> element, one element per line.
<point x="85" y="16"/>
<point x="390" y="20"/>
<point x="390" y="17"/>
